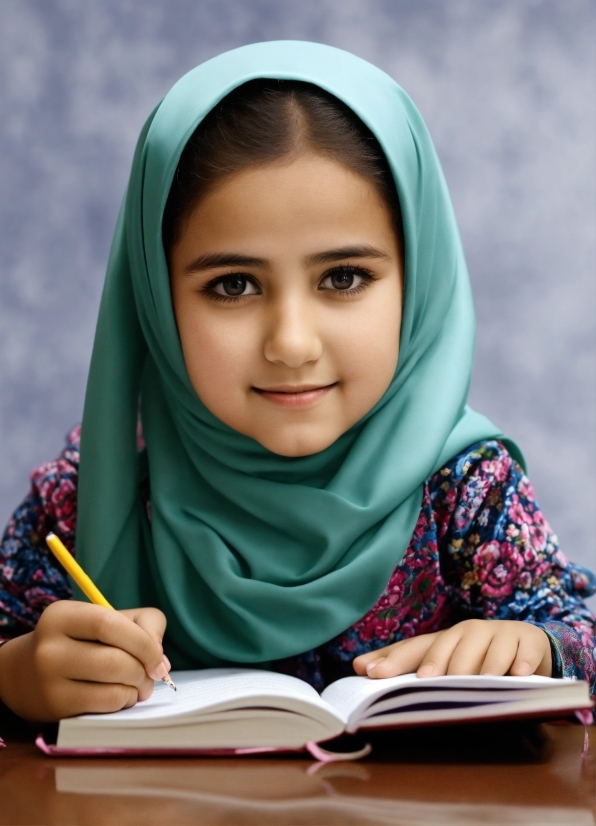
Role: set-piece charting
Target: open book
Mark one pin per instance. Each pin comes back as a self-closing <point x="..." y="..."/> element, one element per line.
<point x="242" y="710"/>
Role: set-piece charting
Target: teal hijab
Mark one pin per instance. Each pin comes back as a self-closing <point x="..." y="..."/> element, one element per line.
<point x="254" y="556"/>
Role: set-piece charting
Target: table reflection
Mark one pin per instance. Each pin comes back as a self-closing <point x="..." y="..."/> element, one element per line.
<point x="289" y="794"/>
<point x="539" y="780"/>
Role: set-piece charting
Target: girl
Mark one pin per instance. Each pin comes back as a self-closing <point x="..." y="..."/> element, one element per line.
<point x="276" y="451"/>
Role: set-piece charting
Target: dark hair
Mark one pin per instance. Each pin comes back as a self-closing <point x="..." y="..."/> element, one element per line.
<point x="264" y="121"/>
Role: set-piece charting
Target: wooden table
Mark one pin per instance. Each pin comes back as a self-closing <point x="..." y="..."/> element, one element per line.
<point x="459" y="776"/>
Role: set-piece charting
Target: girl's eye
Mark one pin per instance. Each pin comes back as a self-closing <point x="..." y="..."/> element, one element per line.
<point x="234" y="286"/>
<point x="346" y="279"/>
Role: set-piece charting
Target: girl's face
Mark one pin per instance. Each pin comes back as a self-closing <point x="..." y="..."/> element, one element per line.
<point x="287" y="291"/>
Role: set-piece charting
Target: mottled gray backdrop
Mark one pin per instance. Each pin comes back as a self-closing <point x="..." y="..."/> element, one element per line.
<point x="507" y="89"/>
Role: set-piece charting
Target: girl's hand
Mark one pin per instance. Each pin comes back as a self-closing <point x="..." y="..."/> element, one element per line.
<point x="82" y="658"/>
<point x="470" y="647"/>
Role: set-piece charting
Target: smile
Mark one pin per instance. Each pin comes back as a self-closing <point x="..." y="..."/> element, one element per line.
<point x="288" y="396"/>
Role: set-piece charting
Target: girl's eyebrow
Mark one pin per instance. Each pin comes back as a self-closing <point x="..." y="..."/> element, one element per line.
<point x="210" y="261"/>
<point x="351" y="251"/>
<point x="223" y="259"/>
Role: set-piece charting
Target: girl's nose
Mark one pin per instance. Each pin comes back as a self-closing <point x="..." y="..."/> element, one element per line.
<point x="292" y="338"/>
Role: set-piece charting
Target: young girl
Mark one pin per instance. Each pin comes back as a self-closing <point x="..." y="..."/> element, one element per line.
<point x="276" y="452"/>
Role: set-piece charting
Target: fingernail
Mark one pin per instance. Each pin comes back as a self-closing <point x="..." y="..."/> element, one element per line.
<point x="160" y="671"/>
<point x="371" y="666"/>
<point x="167" y="662"/>
<point x="425" y="671"/>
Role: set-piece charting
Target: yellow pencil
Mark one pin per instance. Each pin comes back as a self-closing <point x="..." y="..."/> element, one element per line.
<point x="84" y="582"/>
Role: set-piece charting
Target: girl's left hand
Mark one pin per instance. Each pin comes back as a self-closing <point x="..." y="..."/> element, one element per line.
<point x="471" y="647"/>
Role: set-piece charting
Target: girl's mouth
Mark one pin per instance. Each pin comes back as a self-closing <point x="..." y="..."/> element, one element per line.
<point x="294" y="396"/>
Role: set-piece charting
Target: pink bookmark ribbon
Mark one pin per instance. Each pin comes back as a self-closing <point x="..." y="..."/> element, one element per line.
<point x="324" y="756"/>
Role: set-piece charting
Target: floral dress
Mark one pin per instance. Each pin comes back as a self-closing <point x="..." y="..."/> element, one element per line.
<point x="481" y="549"/>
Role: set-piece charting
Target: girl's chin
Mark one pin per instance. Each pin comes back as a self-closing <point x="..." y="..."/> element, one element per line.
<point x="295" y="441"/>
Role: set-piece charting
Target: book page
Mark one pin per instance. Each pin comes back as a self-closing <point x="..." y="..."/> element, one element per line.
<point x="352" y="695"/>
<point x="206" y="689"/>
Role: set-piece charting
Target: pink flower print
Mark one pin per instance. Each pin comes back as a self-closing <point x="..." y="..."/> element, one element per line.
<point x="451" y="497"/>
<point x="499" y="565"/>
<point x="524" y="580"/>
<point x="461" y="519"/>
<point x="385" y="628"/>
<point x="408" y="629"/>
<point x="348" y="644"/>
<point x="538" y="537"/>
<point x="395" y="586"/>
<point x="64" y="502"/>
<point x="512" y="532"/>
<point x="503" y="469"/>
<point x="39" y="598"/>
<point x="542" y="568"/>
<point x="427" y="624"/>
<point x="422" y="521"/>
<point x="374" y="627"/>
<point x="517" y="513"/>
<point x="561" y="560"/>
<point x="422" y="588"/>
<point x="538" y="519"/>
<point x="488" y="467"/>
<point x="525" y="488"/>
<point x="43" y="479"/>
<point x="525" y="530"/>
<point x="531" y="558"/>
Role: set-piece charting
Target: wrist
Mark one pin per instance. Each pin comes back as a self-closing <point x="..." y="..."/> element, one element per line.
<point x="5" y="671"/>
<point x="550" y="663"/>
<point x="11" y="691"/>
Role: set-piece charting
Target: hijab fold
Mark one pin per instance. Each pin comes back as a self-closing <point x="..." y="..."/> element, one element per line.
<point x="255" y="556"/>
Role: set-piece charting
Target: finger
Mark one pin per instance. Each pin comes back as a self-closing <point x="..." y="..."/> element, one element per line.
<point x="500" y="655"/>
<point x="401" y="658"/>
<point x="96" y="662"/>
<point x="151" y="620"/>
<point x="94" y="698"/>
<point x="436" y="659"/>
<point x="531" y="650"/>
<point x="94" y="622"/>
<point x="361" y="663"/>
<point x="367" y="662"/>
<point x="470" y="652"/>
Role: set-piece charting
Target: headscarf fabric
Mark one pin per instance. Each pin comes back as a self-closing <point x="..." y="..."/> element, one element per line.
<point x="255" y="556"/>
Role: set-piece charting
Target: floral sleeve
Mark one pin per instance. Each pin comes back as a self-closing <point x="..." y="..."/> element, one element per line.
<point x="30" y="577"/>
<point x="501" y="560"/>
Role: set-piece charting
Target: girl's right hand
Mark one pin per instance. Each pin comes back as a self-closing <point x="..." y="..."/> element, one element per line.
<point x="82" y="658"/>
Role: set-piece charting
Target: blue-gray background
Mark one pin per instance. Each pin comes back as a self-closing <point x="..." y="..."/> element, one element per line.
<point x="507" y="89"/>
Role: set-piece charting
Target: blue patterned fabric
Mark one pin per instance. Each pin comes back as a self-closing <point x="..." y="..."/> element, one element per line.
<point x="481" y="549"/>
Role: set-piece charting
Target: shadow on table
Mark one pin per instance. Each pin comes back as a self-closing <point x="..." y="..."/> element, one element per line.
<point x="489" y="743"/>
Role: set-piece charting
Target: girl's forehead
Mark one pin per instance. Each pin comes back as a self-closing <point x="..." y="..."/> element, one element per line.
<point x="301" y="209"/>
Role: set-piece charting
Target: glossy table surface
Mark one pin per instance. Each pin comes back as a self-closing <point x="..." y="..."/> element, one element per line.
<point x="536" y="776"/>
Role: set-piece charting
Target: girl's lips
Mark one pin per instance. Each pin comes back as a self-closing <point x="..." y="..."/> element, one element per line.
<point x="294" y="398"/>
